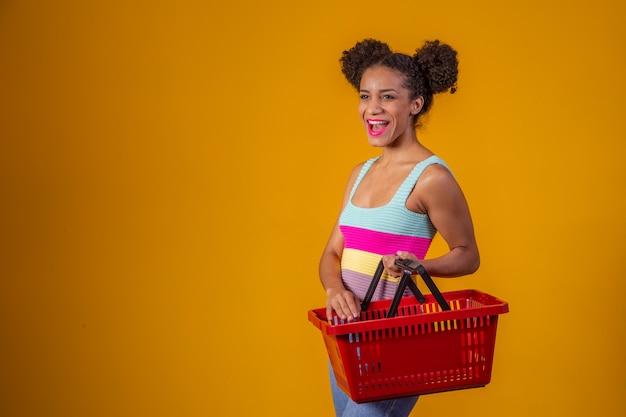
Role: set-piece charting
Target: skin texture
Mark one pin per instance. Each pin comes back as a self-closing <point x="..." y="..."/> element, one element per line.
<point x="384" y="97"/>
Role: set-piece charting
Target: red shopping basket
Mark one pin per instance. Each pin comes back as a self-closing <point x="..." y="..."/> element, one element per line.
<point x="433" y="343"/>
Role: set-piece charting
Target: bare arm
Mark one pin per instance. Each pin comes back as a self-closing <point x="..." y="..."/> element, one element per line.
<point x="342" y="301"/>
<point x="439" y="195"/>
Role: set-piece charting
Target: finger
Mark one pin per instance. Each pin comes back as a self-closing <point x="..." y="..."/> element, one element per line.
<point x="389" y="261"/>
<point x="406" y="255"/>
<point x="329" y="313"/>
<point x="354" y="307"/>
<point x="396" y="272"/>
<point x="337" y="304"/>
<point x="391" y="267"/>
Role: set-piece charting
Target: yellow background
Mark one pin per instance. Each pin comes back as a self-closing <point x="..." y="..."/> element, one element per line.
<point x="170" y="172"/>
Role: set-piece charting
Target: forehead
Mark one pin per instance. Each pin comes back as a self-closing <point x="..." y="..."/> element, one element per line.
<point x="379" y="77"/>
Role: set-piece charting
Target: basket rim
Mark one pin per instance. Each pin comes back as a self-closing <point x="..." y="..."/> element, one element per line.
<point x="491" y="306"/>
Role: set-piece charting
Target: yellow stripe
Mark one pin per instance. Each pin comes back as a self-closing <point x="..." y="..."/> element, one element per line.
<point x="364" y="263"/>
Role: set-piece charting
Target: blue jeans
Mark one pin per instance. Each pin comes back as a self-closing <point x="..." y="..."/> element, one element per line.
<point x="345" y="407"/>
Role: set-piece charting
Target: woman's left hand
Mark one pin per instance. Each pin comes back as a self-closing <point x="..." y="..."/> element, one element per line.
<point x="389" y="262"/>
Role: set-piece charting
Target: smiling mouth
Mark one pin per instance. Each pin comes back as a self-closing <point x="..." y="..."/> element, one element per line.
<point x="376" y="127"/>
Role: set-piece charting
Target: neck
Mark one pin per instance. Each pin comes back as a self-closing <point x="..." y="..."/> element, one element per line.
<point x="407" y="152"/>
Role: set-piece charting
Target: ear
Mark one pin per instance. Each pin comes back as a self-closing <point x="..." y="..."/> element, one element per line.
<point x="416" y="105"/>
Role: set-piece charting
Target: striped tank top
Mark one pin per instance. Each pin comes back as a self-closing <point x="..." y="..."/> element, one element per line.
<point x="370" y="233"/>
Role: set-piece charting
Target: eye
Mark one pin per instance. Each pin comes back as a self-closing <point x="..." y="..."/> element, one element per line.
<point x="364" y="96"/>
<point x="388" y="97"/>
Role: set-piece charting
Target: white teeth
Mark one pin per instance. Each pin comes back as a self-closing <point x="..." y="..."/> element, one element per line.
<point x="377" y="122"/>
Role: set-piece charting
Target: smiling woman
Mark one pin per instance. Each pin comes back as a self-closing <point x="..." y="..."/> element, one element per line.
<point x="394" y="204"/>
<point x="386" y="105"/>
<point x="433" y="69"/>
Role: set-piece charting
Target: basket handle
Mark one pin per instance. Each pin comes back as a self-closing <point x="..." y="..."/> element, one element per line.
<point x="409" y="267"/>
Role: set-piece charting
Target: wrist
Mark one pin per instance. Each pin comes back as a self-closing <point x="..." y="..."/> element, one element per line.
<point x="330" y="290"/>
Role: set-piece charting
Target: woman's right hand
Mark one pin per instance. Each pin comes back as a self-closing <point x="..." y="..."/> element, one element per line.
<point x="343" y="302"/>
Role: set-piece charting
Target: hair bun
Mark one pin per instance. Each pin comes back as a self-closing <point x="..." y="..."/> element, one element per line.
<point x="439" y="64"/>
<point x="361" y="56"/>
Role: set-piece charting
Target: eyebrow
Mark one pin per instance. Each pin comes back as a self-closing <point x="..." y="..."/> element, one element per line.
<point x="384" y="90"/>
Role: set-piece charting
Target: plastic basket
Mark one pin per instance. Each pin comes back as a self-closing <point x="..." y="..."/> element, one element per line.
<point x="421" y="350"/>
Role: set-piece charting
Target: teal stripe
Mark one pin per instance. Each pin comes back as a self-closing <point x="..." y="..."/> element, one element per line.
<point x="389" y="219"/>
<point x="393" y="217"/>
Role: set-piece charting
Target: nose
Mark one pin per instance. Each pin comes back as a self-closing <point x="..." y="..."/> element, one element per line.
<point x="373" y="106"/>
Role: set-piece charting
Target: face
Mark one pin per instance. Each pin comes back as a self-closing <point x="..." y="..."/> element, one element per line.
<point x="385" y="106"/>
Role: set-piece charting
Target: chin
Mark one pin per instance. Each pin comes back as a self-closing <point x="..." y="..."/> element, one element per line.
<point x="377" y="142"/>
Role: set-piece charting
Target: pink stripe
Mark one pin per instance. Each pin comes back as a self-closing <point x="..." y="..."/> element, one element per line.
<point x="382" y="243"/>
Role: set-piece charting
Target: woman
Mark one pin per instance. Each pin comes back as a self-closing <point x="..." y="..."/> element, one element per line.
<point x="395" y="203"/>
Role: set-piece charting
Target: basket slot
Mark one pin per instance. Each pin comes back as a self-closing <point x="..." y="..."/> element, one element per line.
<point x="369" y="368"/>
<point x="408" y="330"/>
<point x="426" y="378"/>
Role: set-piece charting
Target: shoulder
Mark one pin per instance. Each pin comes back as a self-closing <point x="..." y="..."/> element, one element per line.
<point x="439" y="187"/>
<point x="358" y="169"/>
<point x="436" y="174"/>
<point x="436" y="187"/>
<point x="352" y="179"/>
<point x="354" y="175"/>
<point x="437" y="180"/>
